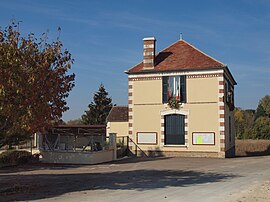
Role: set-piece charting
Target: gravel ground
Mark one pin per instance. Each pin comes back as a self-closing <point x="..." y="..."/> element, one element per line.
<point x="260" y="192"/>
<point x="142" y="179"/>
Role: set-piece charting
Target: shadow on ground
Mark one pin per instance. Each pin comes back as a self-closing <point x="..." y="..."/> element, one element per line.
<point x="40" y="186"/>
<point x="259" y="153"/>
<point x="52" y="166"/>
<point x="254" y="154"/>
<point x="137" y="159"/>
<point x="37" y="166"/>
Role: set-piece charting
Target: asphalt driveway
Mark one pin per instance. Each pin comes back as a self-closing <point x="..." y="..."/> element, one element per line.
<point x="141" y="179"/>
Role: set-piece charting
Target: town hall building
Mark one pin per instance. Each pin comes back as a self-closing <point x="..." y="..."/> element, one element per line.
<point x="180" y="103"/>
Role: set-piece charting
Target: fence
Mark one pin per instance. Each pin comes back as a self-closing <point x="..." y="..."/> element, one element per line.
<point x="66" y="142"/>
<point x="90" y="149"/>
<point x="28" y="145"/>
<point x="73" y="143"/>
<point x="122" y="146"/>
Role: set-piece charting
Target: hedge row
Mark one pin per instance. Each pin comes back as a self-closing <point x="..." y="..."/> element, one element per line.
<point x="14" y="157"/>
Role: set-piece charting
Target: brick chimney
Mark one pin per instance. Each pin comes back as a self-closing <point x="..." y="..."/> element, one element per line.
<point x="149" y="47"/>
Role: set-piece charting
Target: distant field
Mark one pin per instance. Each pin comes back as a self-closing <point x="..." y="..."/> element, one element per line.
<point x="252" y="147"/>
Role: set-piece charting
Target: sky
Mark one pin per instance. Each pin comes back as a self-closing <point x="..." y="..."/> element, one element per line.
<point x="105" y="39"/>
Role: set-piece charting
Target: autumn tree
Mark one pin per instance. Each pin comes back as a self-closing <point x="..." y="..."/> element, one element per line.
<point x="254" y="124"/>
<point x="262" y="128"/>
<point x="264" y="104"/>
<point x="260" y="111"/>
<point x="244" y="122"/>
<point x="239" y="122"/>
<point x="99" y="108"/>
<point x="75" y="122"/>
<point x="34" y="83"/>
<point x="262" y="120"/>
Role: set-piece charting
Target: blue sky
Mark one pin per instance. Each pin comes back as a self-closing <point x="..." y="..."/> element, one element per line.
<point x="105" y="39"/>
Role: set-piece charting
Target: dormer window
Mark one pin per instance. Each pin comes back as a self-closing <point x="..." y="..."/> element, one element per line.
<point x="174" y="86"/>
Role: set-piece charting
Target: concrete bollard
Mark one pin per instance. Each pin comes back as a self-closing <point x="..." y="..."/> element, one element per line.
<point x="112" y="139"/>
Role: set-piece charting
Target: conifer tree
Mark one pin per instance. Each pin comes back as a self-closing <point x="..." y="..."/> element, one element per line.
<point x="99" y="108"/>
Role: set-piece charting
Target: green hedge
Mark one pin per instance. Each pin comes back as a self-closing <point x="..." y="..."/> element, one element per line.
<point x="14" y="157"/>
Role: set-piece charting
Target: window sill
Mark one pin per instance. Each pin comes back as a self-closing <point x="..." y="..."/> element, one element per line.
<point x="176" y="145"/>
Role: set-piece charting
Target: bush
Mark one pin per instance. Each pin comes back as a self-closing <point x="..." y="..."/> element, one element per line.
<point x="13" y="157"/>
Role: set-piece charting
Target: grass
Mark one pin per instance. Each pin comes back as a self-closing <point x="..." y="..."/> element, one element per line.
<point x="252" y="147"/>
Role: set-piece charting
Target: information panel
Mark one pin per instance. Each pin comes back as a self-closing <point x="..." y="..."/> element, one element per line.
<point x="146" y="138"/>
<point x="203" y="138"/>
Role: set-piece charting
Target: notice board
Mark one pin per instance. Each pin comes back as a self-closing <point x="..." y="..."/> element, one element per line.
<point x="203" y="138"/>
<point x="147" y="138"/>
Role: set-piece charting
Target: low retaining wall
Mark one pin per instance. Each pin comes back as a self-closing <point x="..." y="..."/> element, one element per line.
<point x="182" y="154"/>
<point x="78" y="157"/>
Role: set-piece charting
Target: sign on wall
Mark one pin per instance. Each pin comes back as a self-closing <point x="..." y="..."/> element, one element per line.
<point x="203" y="138"/>
<point x="146" y="138"/>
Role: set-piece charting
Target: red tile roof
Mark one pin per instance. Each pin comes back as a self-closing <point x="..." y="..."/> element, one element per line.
<point x="118" y="114"/>
<point x="179" y="56"/>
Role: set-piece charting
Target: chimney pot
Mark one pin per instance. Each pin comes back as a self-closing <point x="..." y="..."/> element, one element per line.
<point x="149" y="47"/>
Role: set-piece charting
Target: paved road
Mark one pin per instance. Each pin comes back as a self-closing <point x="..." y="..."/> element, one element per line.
<point x="150" y="179"/>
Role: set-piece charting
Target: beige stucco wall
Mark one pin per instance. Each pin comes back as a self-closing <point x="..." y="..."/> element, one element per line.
<point x="147" y="92"/>
<point x="202" y="107"/>
<point x="120" y="128"/>
<point x="202" y="90"/>
<point x="147" y="118"/>
<point x="203" y="118"/>
<point x="198" y="90"/>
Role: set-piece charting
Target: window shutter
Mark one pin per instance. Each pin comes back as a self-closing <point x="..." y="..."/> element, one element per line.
<point x="165" y="89"/>
<point x="183" y="89"/>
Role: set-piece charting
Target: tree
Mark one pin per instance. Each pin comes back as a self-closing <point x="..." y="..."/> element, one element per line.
<point x="251" y="124"/>
<point x="99" y="109"/>
<point x="239" y="122"/>
<point x="75" y="122"/>
<point x="244" y="122"/>
<point x="33" y="83"/>
<point x="262" y="128"/>
<point x="260" y="111"/>
<point x="265" y="104"/>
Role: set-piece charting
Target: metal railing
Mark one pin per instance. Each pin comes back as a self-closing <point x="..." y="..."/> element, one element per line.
<point x="138" y="151"/>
